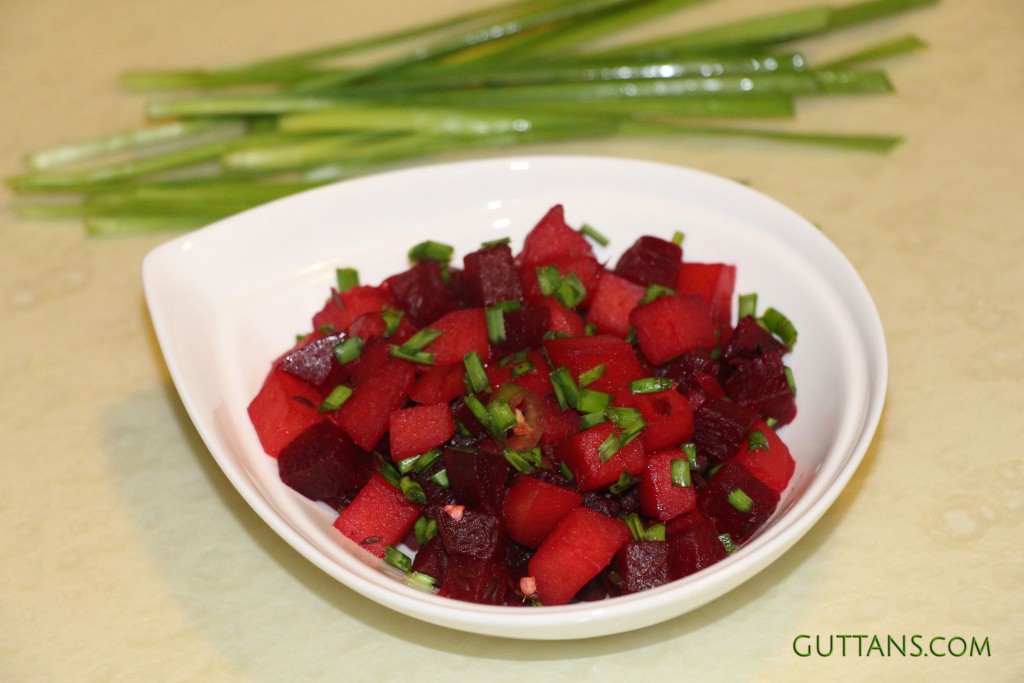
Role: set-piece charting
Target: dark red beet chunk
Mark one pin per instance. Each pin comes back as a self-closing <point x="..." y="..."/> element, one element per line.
<point x="692" y="546"/>
<point x="719" y="426"/>
<point x="469" y="532"/>
<point x="478" y="479"/>
<point x="651" y="261"/>
<point x="642" y="565"/>
<point x="473" y="580"/>
<point x="685" y="368"/>
<point x="760" y="383"/>
<point x="322" y="463"/>
<point x="431" y="559"/>
<point x="422" y="293"/>
<point x="313" y="362"/>
<point x="750" y="339"/>
<point x="713" y="500"/>
<point x="524" y="328"/>
<point x="491" y="276"/>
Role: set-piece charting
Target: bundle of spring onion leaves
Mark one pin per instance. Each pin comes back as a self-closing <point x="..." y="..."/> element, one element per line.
<point x="528" y="71"/>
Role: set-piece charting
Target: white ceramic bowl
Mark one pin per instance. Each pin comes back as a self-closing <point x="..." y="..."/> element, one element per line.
<point x="229" y="298"/>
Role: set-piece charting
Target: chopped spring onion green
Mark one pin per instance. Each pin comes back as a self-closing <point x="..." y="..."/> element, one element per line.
<point x="609" y="447"/>
<point x="757" y="441"/>
<point x="654" y="291"/>
<point x="589" y="420"/>
<point x="570" y="291"/>
<point x="420" y="580"/>
<point x="747" y="305"/>
<point x="348" y="349"/>
<point x="396" y="558"/>
<point x="405" y="466"/>
<point x="392" y="318"/>
<point x="690" y="450"/>
<point x="595" y="235"/>
<point x="479" y="411"/>
<point x="347" y="278"/>
<point x="420" y="357"/>
<point x="790" y="380"/>
<point x="475" y="372"/>
<point x="739" y="499"/>
<point x="412" y="490"/>
<point x="520" y="369"/>
<point x="590" y="401"/>
<point x="592" y="375"/>
<point x="680" y="471"/>
<point x="636" y="526"/>
<point x="566" y="472"/>
<point x="390" y="474"/>
<point x="677" y="237"/>
<point x="335" y="399"/>
<point x="440" y="478"/>
<point x="549" y="278"/>
<point x="495" y="317"/>
<point x="566" y="391"/>
<point x="655" y="532"/>
<point x="625" y="417"/>
<point x="427" y="459"/>
<point x="502" y="417"/>
<point x="495" y="243"/>
<point x="518" y="462"/>
<point x="650" y="385"/>
<point x="424" y="529"/>
<point x="779" y="325"/>
<point x="625" y="481"/>
<point x="431" y="251"/>
<point x="421" y="340"/>
<point x="727" y="542"/>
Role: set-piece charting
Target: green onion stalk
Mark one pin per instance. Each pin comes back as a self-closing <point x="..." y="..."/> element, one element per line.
<point x="222" y="140"/>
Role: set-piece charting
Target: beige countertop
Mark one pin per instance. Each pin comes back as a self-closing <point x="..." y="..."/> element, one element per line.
<point x="127" y="555"/>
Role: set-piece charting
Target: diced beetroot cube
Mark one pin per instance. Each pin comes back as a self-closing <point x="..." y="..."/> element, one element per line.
<point x="431" y="559"/>
<point x="534" y="507"/>
<point x="684" y="369"/>
<point x="586" y="268"/>
<point x="563" y="321"/>
<point x="719" y="426"/>
<point x="772" y="464"/>
<point x="536" y="380"/>
<point x="422" y="293"/>
<point x="659" y="497"/>
<point x="524" y="329"/>
<point x="364" y="416"/>
<point x="474" y="580"/>
<point x="668" y="416"/>
<point x="673" y="325"/>
<point x="333" y="316"/>
<point x="642" y="565"/>
<point x="714" y="283"/>
<point x="552" y="239"/>
<point x="478" y="479"/>
<point x="760" y="383"/>
<point x="749" y="339"/>
<point x="651" y="261"/>
<point x="313" y="358"/>
<point x="284" y="408"/>
<point x="373" y="325"/>
<point x="379" y="516"/>
<point x="463" y="331"/>
<point x="471" y="532"/>
<point x="439" y="384"/>
<point x="323" y="464"/>
<point x="613" y="300"/>
<point x="693" y="545"/>
<point x="416" y="430"/>
<point x="581" y="354"/>
<point x="558" y="424"/>
<point x="580" y="453"/>
<point x="491" y="276"/>
<point x="736" y="501"/>
<point x="575" y="551"/>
